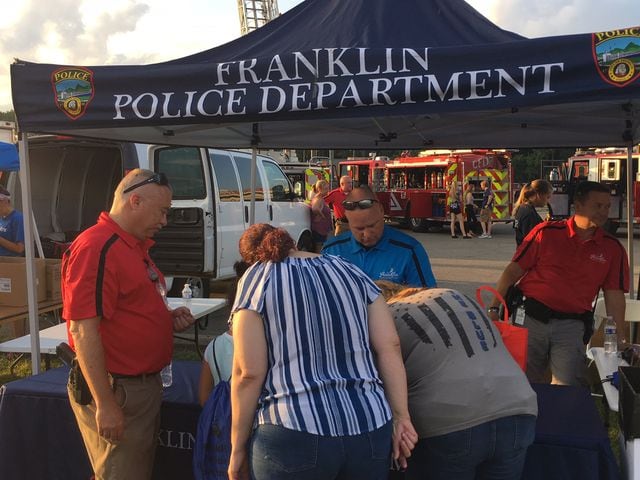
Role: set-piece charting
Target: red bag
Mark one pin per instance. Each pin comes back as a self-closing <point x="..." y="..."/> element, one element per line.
<point x="515" y="338"/>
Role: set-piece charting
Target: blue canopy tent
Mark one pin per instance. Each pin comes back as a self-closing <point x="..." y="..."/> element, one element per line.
<point x="355" y="74"/>
<point x="9" y="160"/>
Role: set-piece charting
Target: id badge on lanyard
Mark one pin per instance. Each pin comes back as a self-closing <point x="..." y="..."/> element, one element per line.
<point x="518" y="319"/>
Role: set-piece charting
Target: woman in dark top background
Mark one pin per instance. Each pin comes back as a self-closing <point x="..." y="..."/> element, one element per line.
<point x="535" y="194"/>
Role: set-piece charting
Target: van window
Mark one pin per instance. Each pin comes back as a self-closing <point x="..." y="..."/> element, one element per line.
<point x="183" y="168"/>
<point x="228" y="188"/>
<point x="279" y="185"/>
<point x="244" y="170"/>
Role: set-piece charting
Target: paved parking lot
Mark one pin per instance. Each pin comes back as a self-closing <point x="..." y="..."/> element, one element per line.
<point x="460" y="264"/>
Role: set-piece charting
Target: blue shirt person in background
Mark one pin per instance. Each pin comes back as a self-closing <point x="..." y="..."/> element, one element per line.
<point x="382" y="252"/>
<point x="11" y="227"/>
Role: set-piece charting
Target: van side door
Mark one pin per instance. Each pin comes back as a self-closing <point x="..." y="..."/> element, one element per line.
<point x="243" y="165"/>
<point x="185" y="246"/>
<point x="230" y="214"/>
<point x="285" y="210"/>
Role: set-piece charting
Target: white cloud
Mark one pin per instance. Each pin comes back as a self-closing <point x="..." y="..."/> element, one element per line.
<point x="95" y="32"/>
<point x="559" y="17"/>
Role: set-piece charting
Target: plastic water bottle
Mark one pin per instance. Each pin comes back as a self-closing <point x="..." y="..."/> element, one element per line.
<point x="166" y="374"/>
<point x="610" y="335"/>
<point x="187" y="295"/>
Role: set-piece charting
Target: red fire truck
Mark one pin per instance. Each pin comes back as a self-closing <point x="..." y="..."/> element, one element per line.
<point x="604" y="165"/>
<point x="414" y="189"/>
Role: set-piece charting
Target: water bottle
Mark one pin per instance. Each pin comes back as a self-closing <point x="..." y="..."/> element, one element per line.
<point x="187" y="295"/>
<point x="610" y="335"/>
<point x="166" y="374"/>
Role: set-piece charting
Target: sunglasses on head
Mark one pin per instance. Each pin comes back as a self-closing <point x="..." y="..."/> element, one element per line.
<point x="361" y="204"/>
<point x="158" y="178"/>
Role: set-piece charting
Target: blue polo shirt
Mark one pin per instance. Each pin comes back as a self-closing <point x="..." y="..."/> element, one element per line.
<point x="12" y="229"/>
<point x="397" y="257"/>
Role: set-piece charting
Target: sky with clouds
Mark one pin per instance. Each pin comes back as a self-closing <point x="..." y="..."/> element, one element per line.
<point x="95" y="32"/>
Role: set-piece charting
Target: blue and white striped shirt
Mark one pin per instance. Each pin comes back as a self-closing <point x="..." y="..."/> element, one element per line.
<point x="321" y="375"/>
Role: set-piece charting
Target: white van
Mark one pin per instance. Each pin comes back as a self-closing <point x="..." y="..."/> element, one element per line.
<point x="73" y="180"/>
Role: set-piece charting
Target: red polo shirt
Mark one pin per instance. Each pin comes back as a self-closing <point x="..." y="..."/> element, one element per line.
<point x="335" y="198"/>
<point x="107" y="273"/>
<point x="566" y="273"/>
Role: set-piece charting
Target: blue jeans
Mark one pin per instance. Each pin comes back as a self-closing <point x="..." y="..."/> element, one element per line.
<point x="494" y="450"/>
<point x="278" y="453"/>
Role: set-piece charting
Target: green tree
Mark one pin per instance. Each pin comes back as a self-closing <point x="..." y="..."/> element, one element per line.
<point x="527" y="163"/>
<point x="8" y="116"/>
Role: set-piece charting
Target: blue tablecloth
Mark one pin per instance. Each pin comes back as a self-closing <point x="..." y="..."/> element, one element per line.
<point x="39" y="438"/>
<point x="571" y="441"/>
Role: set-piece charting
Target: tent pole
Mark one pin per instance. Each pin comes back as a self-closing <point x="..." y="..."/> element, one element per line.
<point x="630" y="216"/>
<point x="332" y="168"/>
<point x="25" y="181"/>
<point x="36" y="235"/>
<point x="255" y="139"/>
<point x="254" y="164"/>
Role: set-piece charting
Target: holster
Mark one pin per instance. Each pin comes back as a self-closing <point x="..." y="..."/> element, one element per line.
<point x="79" y="388"/>
<point x="542" y="313"/>
<point x="513" y="299"/>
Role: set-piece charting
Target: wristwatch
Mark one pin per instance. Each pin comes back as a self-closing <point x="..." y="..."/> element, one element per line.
<point x="493" y="309"/>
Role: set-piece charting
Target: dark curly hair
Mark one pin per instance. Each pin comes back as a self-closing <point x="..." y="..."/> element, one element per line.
<point x="265" y="243"/>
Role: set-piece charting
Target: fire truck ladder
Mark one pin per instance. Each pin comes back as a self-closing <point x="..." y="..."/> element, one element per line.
<point x="255" y="13"/>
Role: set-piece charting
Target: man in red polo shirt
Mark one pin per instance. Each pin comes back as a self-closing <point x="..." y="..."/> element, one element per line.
<point x="121" y="327"/>
<point x="335" y="198"/>
<point x="560" y="267"/>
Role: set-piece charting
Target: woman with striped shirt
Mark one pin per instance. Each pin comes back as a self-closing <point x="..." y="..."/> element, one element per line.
<point x="318" y="388"/>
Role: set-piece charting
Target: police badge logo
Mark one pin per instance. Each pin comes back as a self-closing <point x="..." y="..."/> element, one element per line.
<point x="73" y="90"/>
<point x="617" y="55"/>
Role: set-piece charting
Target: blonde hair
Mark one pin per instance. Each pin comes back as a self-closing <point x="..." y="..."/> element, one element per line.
<point x="317" y="188"/>
<point x="530" y="190"/>
<point x="393" y="292"/>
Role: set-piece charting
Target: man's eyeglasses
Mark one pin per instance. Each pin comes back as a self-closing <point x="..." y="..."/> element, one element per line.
<point x="361" y="204"/>
<point x="159" y="178"/>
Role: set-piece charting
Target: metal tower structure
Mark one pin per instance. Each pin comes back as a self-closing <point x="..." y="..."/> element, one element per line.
<point x="255" y="13"/>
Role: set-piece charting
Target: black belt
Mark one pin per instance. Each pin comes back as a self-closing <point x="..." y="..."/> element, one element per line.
<point x="140" y="376"/>
<point x="540" y="311"/>
<point x="343" y="220"/>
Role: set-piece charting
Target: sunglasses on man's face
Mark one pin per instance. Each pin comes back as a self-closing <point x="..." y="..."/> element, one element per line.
<point x="361" y="204"/>
<point x="158" y="178"/>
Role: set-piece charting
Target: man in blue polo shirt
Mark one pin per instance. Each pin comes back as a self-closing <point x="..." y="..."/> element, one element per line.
<point x="380" y="251"/>
<point x="11" y="227"/>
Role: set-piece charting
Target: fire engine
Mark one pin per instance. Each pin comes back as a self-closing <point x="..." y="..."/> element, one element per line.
<point x="305" y="175"/>
<point x="413" y="190"/>
<point x="604" y="165"/>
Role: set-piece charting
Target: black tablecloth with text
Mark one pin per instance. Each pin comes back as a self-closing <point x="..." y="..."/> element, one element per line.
<point x="39" y="437"/>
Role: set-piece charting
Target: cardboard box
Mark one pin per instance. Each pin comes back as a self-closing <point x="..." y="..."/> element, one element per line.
<point x="53" y="278"/>
<point x="13" y="281"/>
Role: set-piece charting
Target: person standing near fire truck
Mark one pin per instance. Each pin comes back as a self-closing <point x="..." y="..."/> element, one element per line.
<point x="486" y="209"/>
<point x="335" y="198"/>
<point x="455" y="210"/>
